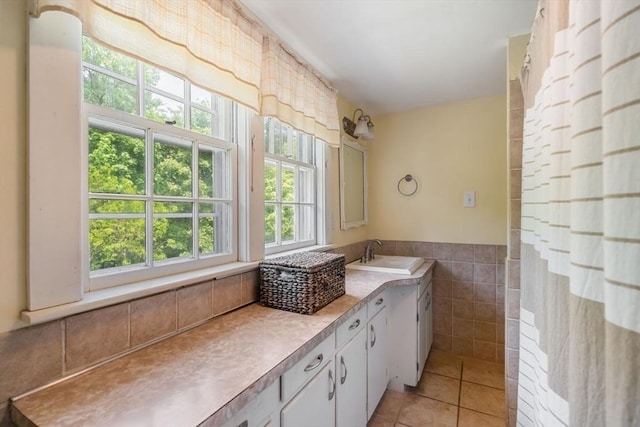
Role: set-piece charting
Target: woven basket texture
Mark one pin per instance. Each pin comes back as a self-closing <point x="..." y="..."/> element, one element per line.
<point x="302" y="283"/>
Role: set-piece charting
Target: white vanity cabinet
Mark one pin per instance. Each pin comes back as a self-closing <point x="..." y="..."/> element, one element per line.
<point x="261" y="411"/>
<point x="411" y="332"/>
<point x="377" y="351"/>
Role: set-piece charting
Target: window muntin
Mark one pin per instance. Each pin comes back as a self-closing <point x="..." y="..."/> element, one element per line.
<point x="159" y="192"/>
<point x="290" y="187"/>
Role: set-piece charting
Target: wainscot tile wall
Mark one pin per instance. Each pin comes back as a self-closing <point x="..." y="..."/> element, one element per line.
<point x="37" y="355"/>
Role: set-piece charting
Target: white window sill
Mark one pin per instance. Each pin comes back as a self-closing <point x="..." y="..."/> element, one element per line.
<point x="120" y="294"/>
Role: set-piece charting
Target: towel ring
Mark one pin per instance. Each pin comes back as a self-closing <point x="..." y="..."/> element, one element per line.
<point x="408" y="178"/>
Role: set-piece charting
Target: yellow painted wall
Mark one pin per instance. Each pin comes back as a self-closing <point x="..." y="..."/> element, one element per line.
<point x="449" y="149"/>
<point x="516" y="52"/>
<point x="13" y="166"/>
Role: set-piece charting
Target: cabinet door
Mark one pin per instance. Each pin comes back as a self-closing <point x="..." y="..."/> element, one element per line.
<point x="314" y="405"/>
<point x="422" y="334"/>
<point x="377" y="359"/>
<point x="351" y="383"/>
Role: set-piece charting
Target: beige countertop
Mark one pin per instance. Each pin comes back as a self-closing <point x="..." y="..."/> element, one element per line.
<point x="203" y="375"/>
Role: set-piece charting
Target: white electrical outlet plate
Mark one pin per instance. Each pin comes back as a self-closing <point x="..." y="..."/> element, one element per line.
<point x="469" y="200"/>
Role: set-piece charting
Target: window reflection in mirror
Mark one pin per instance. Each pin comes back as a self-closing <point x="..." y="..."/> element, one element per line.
<point x="353" y="184"/>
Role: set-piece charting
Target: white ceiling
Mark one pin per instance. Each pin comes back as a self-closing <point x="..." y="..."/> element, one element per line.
<point x="396" y="55"/>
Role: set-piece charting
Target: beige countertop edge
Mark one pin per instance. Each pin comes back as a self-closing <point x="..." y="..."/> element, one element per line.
<point x="111" y="393"/>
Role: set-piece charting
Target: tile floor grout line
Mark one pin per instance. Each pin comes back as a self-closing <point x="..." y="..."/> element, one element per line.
<point x="460" y="392"/>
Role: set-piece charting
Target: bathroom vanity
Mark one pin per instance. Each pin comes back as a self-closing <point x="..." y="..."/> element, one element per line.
<point x="255" y="366"/>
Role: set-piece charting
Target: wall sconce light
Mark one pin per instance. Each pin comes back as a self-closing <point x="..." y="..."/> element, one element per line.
<point x="363" y="127"/>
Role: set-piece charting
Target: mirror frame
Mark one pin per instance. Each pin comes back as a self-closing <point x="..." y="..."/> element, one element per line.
<point x="344" y="224"/>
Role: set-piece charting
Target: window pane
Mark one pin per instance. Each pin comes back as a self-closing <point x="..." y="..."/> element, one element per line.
<point x="307" y="222"/>
<point x="213" y="176"/>
<point x="163" y="109"/>
<point x="200" y="97"/>
<point x="286" y="142"/>
<point x="288" y="223"/>
<point x="269" y="224"/>
<point x="116" y="160"/>
<point x="268" y="141"/>
<point x="306" y="186"/>
<point x="163" y="81"/>
<point x="288" y="190"/>
<point x="213" y="227"/>
<point x="104" y="57"/>
<point x="172" y="230"/>
<point x="270" y="181"/>
<point x="116" y="233"/>
<point x="100" y="89"/>
<point x="201" y="121"/>
<point x="172" y="174"/>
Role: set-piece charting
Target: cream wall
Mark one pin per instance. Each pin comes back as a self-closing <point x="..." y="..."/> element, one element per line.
<point x="13" y="168"/>
<point x="449" y="149"/>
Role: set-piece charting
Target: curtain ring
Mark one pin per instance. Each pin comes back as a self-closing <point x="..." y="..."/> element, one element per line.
<point x="408" y="178"/>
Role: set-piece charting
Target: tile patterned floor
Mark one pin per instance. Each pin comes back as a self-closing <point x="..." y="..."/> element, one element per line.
<point x="454" y="391"/>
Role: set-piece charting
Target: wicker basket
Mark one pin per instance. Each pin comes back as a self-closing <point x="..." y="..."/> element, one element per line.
<point x="302" y="283"/>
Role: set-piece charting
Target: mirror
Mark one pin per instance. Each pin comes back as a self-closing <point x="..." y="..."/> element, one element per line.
<point x="353" y="184"/>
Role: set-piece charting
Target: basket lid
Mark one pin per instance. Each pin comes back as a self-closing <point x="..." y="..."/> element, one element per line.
<point x="307" y="260"/>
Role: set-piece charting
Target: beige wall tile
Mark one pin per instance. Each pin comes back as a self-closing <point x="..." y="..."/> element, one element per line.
<point x="514" y="274"/>
<point x="484" y="350"/>
<point x="515" y="153"/>
<point x="516" y="212"/>
<point x="226" y="294"/>
<point x="512" y="393"/>
<point x="405" y="249"/>
<point x="514" y="244"/>
<point x="484" y="312"/>
<point x="516" y="120"/>
<point x="484" y="273"/>
<point x="500" y="332"/>
<point x="443" y="325"/>
<point x="485" y="331"/>
<point x="462" y="346"/>
<point x="443" y="270"/>
<point x="95" y="336"/>
<point x="442" y="342"/>
<point x="389" y="247"/>
<point x="442" y="306"/>
<point x="485" y="254"/>
<point x="424" y="249"/>
<point x="462" y="290"/>
<point x="5" y="415"/>
<point x="29" y="358"/>
<point x="443" y="251"/>
<point x="462" y="252"/>
<point x="501" y="254"/>
<point x="195" y="304"/>
<point x="462" y="271"/>
<point x="515" y="184"/>
<point x="500" y="354"/>
<point x="513" y="360"/>
<point x="513" y="333"/>
<point x="511" y="422"/>
<point x="462" y="309"/>
<point x="153" y="317"/>
<point x="500" y="274"/>
<point x="484" y="292"/>
<point x="250" y="286"/>
<point x="462" y="328"/>
<point x="513" y="304"/>
<point x="442" y="288"/>
<point x="516" y="100"/>
<point x="500" y="294"/>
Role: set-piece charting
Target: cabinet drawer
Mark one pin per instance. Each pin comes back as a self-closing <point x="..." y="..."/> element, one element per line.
<point x="376" y="304"/>
<point x="259" y="410"/>
<point x="350" y="327"/>
<point x="300" y="373"/>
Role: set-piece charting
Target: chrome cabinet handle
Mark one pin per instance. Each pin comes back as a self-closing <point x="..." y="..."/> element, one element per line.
<point x="314" y="365"/>
<point x="344" y="368"/>
<point x="373" y="336"/>
<point x="380" y="301"/>
<point x="332" y="391"/>
<point x="354" y="325"/>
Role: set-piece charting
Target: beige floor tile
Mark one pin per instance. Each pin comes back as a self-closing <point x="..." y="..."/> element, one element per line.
<point x="389" y="406"/>
<point x="485" y="373"/>
<point x="469" y="418"/>
<point x="446" y="364"/>
<point x="418" y="411"/>
<point x="483" y="399"/>
<point x="438" y="387"/>
<point x="376" y="421"/>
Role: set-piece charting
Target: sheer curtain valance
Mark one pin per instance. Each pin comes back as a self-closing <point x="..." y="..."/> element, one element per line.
<point x="216" y="44"/>
<point x="293" y="92"/>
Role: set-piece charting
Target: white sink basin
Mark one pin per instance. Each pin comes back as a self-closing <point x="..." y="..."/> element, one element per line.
<point x="389" y="264"/>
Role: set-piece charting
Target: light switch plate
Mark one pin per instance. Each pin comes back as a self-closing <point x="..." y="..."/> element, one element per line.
<point x="469" y="200"/>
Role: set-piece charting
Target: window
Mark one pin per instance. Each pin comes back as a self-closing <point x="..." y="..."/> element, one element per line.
<point x="290" y="179"/>
<point x="161" y="171"/>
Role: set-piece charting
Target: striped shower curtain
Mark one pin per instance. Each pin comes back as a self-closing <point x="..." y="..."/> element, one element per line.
<point x="580" y="254"/>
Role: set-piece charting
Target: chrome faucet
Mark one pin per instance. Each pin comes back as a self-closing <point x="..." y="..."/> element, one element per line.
<point x="368" y="251"/>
